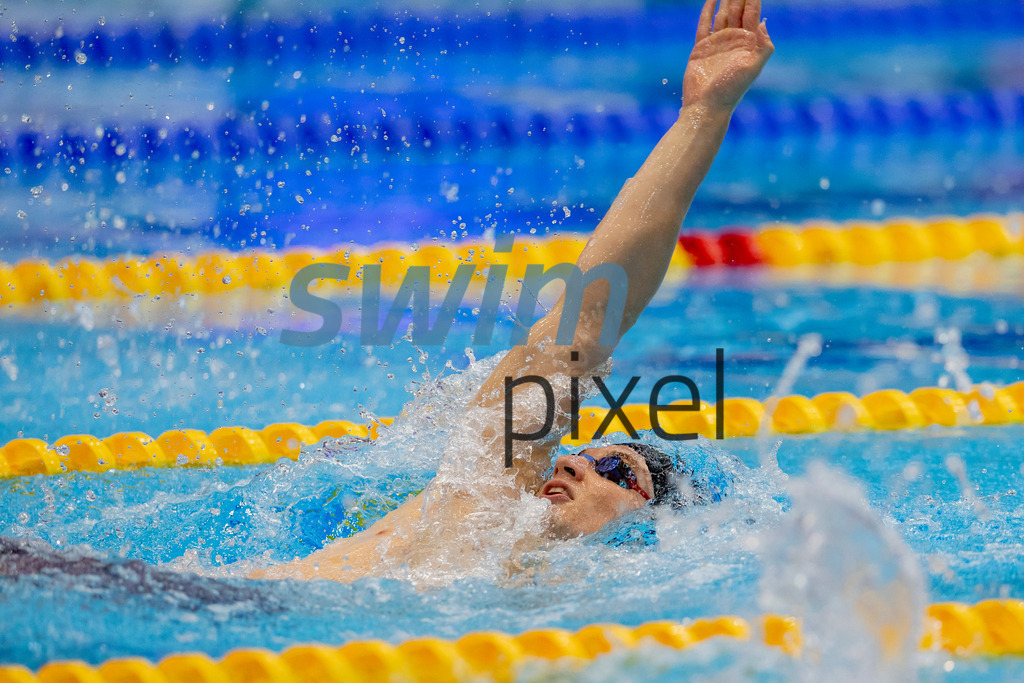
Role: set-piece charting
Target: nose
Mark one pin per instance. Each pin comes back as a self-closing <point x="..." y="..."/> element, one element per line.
<point x="573" y="465"/>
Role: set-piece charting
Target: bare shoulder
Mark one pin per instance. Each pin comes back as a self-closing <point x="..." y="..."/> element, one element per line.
<point x="355" y="557"/>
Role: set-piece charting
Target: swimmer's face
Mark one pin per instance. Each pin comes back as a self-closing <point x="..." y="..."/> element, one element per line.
<point x="583" y="501"/>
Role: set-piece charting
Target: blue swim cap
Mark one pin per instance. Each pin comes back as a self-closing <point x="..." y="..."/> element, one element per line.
<point x="689" y="476"/>
<point x="685" y="473"/>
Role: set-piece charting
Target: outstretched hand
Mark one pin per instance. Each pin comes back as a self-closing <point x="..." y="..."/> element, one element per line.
<point x="731" y="49"/>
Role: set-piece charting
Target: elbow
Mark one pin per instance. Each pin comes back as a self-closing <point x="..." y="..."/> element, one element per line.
<point x="591" y="343"/>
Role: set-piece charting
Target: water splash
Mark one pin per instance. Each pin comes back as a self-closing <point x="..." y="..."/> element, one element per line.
<point x="856" y="588"/>
<point x="956" y="466"/>
<point x="955" y="360"/>
<point x="808" y="346"/>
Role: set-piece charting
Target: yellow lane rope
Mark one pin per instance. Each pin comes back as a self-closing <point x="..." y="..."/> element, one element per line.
<point x="816" y="242"/>
<point x="899" y="239"/>
<point x="217" y="272"/>
<point x="888" y="409"/>
<point x="974" y="276"/>
<point x="991" y="627"/>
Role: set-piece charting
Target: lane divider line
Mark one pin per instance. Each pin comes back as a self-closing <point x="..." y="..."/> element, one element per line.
<point x="289" y="42"/>
<point x="35" y="280"/>
<point x="815" y="242"/>
<point x="856" y="242"/>
<point x="888" y="409"/>
<point x="990" y="627"/>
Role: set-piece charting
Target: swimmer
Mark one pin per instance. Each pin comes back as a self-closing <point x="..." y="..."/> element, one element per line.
<point x="589" y="489"/>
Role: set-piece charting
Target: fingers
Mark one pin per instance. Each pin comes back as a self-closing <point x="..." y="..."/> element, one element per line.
<point x="706" y="16"/>
<point x="744" y="14"/>
<point x="722" y="17"/>
<point x="764" y="38"/>
<point x="752" y="14"/>
<point x="735" y="13"/>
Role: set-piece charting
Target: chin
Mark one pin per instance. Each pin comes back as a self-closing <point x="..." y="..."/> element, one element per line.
<point x="562" y="526"/>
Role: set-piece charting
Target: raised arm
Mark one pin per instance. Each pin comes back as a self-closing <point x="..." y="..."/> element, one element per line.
<point x="640" y="230"/>
<point x="638" y="234"/>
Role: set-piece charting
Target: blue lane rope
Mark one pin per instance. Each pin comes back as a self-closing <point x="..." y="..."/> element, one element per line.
<point x="239" y="136"/>
<point x="346" y="36"/>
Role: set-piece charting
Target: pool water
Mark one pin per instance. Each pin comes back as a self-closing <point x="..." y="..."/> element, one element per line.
<point x="204" y="362"/>
<point x="520" y="120"/>
<point x="941" y="501"/>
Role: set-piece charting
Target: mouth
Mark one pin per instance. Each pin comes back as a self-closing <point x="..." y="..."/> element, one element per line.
<point x="555" y="491"/>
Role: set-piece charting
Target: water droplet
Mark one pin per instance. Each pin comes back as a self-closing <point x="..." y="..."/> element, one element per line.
<point x="299" y="198"/>
<point x="81" y="58"/>
<point x="181" y="459"/>
<point x="90" y="495"/>
<point x="23" y="518"/>
<point x="226" y="279"/>
<point x="664" y="81"/>
<point x="37" y="190"/>
<point x="22" y="215"/>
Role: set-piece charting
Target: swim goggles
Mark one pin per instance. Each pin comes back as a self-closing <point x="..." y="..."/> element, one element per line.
<point x="615" y="470"/>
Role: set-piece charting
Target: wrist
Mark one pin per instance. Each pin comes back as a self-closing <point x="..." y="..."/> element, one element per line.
<point x="699" y="114"/>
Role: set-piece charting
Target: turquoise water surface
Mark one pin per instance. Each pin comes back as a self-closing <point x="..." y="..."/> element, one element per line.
<point x="199" y="126"/>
